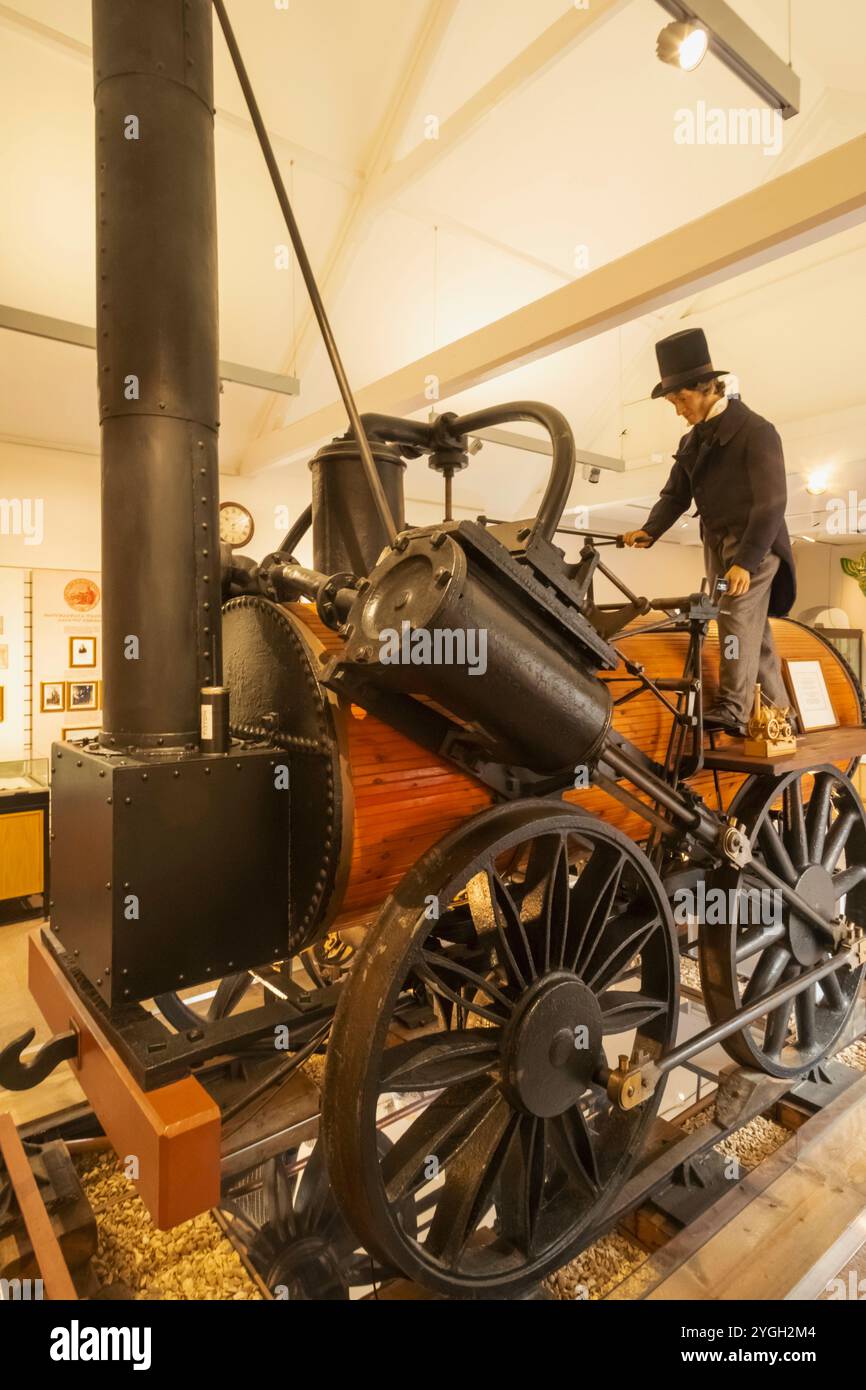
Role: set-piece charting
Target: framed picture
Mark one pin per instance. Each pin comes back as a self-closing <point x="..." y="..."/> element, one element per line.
<point x="808" y="689"/>
<point x="82" y="651"/>
<point x="80" y="695"/>
<point x="2" y="702"/>
<point x="84" y="733"/>
<point x="52" y="697"/>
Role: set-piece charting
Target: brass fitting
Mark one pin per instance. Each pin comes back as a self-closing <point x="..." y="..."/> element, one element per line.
<point x="629" y="1086"/>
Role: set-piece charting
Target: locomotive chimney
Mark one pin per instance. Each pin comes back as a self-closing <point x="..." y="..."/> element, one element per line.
<point x="158" y="355"/>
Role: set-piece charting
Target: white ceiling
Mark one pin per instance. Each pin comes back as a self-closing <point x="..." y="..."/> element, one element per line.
<point x="583" y="155"/>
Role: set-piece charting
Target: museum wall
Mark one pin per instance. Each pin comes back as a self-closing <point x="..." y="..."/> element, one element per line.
<point x="65" y="533"/>
<point x="67" y="486"/>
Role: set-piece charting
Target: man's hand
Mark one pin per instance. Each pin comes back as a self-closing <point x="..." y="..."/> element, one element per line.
<point x="642" y="539"/>
<point x="739" y="581"/>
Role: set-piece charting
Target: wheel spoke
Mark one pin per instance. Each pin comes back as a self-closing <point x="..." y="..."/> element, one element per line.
<point x="818" y="815"/>
<point x="622" y="1010"/>
<point x="838" y="838"/>
<point x="846" y="879"/>
<point x="522" y="1191"/>
<point x="314" y="1197"/>
<point x="441" y="1059"/>
<point x="833" y="993"/>
<point x="617" y="944"/>
<point x="776" y="1031"/>
<point x="470" y="1176"/>
<point x="775" y="853"/>
<point x="572" y="1143"/>
<point x="494" y="910"/>
<point x="438" y="1133"/>
<point x="805" y="1005"/>
<point x="756" y="939"/>
<point x="592" y="900"/>
<point x="544" y="906"/>
<point x="449" y="965"/>
<point x="230" y="991"/>
<point x="767" y="973"/>
<point x="795" y="824"/>
<point x="426" y="973"/>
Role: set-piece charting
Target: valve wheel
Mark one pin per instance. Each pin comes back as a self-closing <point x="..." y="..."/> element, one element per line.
<point x="810" y="829"/>
<point x="545" y="939"/>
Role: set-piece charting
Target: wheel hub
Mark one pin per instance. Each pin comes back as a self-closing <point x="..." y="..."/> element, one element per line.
<point x="815" y="886"/>
<point x="552" y="1046"/>
<point x="308" y="1269"/>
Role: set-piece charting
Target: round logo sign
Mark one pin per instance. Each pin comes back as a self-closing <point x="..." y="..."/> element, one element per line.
<point x="81" y="594"/>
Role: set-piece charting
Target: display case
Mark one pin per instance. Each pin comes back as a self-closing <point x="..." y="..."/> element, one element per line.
<point x="849" y="642"/>
<point x="24" y="832"/>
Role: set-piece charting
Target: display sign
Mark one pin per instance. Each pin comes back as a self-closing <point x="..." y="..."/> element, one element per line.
<point x="811" y="697"/>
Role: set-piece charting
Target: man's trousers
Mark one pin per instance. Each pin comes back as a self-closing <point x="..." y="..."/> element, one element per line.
<point x="747" y="652"/>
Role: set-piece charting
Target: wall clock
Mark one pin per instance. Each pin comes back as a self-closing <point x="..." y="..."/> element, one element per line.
<point x="236" y="524"/>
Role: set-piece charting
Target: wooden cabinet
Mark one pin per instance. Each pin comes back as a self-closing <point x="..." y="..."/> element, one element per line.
<point x="22" y="856"/>
<point x="23" y="831"/>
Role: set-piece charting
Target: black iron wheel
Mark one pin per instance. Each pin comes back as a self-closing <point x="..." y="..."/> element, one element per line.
<point x="226" y="998"/>
<point x="303" y="1248"/>
<point x="810" y="829"/>
<point x="545" y="938"/>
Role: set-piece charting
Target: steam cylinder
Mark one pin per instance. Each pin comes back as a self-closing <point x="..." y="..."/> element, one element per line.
<point x="158" y="364"/>
<point x="348" y="535"/>
<point x="440" y="626"/>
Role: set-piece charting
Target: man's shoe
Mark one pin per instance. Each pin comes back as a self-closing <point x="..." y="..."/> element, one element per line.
<point x="722" y="722"/>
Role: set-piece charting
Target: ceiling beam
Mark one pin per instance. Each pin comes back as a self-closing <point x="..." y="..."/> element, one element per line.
<point x="540" y="55"/>
<point x="387" y="180"/>
<point x="808" y="203"/>
<point x="314" y="163"/>
<point x="809" y="128"/>
<point x="351" y="230"/>
<point x="79" y="335"/>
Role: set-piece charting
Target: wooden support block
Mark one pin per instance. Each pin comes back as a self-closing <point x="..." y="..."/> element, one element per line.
<point x="173" y="1133"/>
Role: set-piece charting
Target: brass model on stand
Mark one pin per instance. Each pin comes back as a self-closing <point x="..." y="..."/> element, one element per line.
<point x="769" y="730"/>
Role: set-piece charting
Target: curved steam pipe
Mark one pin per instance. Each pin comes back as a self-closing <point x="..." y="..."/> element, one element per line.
<point x="562" y="467"/>
<point x="298" y="531"/>
<point x="449" y="429"/>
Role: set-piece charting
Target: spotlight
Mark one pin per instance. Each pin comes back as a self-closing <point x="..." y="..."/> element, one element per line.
<point x="682" y="44"/>
<point x="816" y="482"/>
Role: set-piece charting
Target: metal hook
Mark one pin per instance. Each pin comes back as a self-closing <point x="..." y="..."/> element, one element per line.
<point x="16" y="1075"/>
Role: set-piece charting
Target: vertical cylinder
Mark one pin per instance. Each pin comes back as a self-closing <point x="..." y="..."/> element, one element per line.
<point x="158" y="364"/>
<point x="348" y="534"/>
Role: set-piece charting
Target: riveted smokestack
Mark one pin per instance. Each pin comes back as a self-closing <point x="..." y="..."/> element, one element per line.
<point x="158" y="366"/>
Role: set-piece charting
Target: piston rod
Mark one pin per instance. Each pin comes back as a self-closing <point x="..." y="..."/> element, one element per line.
<point x="718" y="1032"/>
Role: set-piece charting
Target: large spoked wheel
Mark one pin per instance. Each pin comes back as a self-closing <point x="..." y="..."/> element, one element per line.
<point x="545" y="941"/>
<point x="810" y="829"/>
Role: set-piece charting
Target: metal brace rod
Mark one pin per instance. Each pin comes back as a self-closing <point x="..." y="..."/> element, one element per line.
<point x="306" y="269"/>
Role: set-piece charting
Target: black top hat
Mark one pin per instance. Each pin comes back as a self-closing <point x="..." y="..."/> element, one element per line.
<point x="683" y="359"/>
